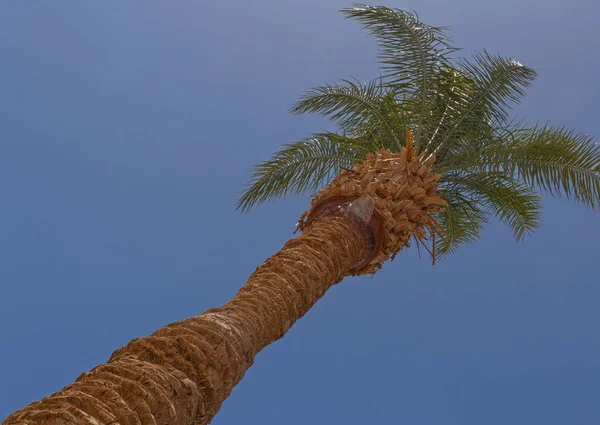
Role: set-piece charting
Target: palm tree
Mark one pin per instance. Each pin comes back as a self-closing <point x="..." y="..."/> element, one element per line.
<point x="426" y="153"/>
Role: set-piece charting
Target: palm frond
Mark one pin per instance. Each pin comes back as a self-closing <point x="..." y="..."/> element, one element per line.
<point x="352" y="104"/>
<point x="556" y="161"/>
<point x="462" y="221"/>
<point x="300" y="166"/>
<point x="410" y="52"/>
<point x="500" y="83"/>
<point x="497" y="84"/>
<point x="453" y="100"/>
<point x="511" y="202"/>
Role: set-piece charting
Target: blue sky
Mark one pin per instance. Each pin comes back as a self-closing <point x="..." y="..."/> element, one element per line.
<point x="126" y="132"/>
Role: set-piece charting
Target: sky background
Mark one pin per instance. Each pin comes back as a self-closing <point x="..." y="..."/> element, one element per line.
<point x="126" y="131"/>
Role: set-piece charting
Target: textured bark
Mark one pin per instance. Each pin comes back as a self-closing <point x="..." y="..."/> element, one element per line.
<point x="182" y="373"/>
<point x="403" y="188"/>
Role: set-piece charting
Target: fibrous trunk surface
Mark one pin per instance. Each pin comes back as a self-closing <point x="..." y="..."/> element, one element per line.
<point x="182" y="373"/>
<point x="403" y="187"/>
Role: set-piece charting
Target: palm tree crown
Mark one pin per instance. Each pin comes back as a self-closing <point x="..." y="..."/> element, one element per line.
<point x="459" y="111"/>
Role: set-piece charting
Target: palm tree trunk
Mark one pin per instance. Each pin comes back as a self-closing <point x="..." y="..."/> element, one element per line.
<point x="182" y="373"/>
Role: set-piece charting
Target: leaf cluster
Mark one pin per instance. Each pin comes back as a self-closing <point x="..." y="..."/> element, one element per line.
<point x="460" y="111"/>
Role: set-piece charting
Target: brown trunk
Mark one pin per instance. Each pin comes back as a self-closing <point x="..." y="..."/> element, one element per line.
<point x="181" y="374"/>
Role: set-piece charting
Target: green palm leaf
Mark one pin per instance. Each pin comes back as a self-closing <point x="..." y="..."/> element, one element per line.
<point x="411" y="53"/>
<point x="453" y="101"/>
<point x="300" y="166"/>
<point x="495" y="84"/>
<point x="462" y="221"/>
<point x="511" y="202"/>
<point x="555" y="160"/>
<point x="499" y="83"/>
<point x="352" y="105"/>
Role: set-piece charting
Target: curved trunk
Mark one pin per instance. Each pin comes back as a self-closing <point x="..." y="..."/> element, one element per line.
<point x="182" y="373"/>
